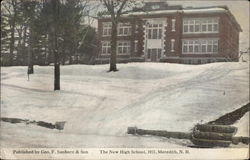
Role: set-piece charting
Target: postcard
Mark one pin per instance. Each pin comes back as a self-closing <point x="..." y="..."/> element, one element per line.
<point x="124" y="79"/>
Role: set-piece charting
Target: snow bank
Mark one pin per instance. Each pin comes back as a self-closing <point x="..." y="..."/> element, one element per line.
<point x="243" y="126"/>
<point x="42" y="137"/>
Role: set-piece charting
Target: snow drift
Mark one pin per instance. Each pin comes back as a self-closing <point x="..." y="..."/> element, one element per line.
<point x="162" y="96"/>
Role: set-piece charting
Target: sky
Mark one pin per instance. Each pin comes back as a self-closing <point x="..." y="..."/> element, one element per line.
<point x="239" y="8"/>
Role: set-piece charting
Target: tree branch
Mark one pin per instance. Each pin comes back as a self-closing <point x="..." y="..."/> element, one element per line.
<point x="121" y="7"/>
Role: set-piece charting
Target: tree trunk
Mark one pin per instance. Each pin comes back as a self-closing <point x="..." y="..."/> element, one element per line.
<point x="56" y="65"/>
<point x="45" y="44"/>
<point x="55" y="47"/>
<point x="63" y="53"/>
<point x="74" y="50"/>
<point x="30" y="54"/>
<point x="30" y="63"/>
<point x="57" y="74"/>
<point x="50" y="48"/>
<point x="19" y="59"/>
<point x="113" y="47"/>
<point x="24" y="47"/>
<point x="70" y="58"/>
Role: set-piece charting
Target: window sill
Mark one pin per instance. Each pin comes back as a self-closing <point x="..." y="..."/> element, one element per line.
<point x="200" y="32"/>
<point x="121" y="35"/>
<point x="106" y="35"/>
<point x="116" y="54"/>
<point x="154" y="39"/>
<point x="122" y="54"/>
<point x="201" y="53"/>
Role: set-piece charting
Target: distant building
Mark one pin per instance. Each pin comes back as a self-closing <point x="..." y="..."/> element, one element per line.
<point x="163" y="33"/>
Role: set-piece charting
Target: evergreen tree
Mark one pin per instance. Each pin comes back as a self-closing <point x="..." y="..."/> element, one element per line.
<point x="5" y="39"/>
<point x="9" y="10"/>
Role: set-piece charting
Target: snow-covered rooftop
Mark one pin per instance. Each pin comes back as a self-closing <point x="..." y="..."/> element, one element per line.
<point x="186" y="10"/>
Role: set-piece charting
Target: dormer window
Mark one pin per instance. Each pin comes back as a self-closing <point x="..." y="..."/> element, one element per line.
<point x="155" y="7"/>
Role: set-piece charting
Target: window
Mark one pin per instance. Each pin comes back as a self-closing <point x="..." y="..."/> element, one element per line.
<point x="123" y="47"/>
<point x="107" y="26"/>
<point x="149" y="53"/>
<point x="215" y="25"/>
<point x="191" y="26"/>
<point x="204" y="26"/>
<point x="196" y="46"/>
<point x="185" y="47"/>
<point x="124" y="29"/>
<point x="159" y="53"/>
<point x="172" y="45"/>
<point x="154" y="53"/>
<point x="200" y="25"/>
<point x="210" y="46"/>
<point x="197" y="26"/>
<point x="106" y="47"/>
<point x="173" y="25"/>
<point x="215" y="46"/>
<point x="209" y="25"/>
<point x="155" y="7"/>
<point x="200" y="46"/>
<point x="190" y="46"/>
<point x="203" y="46"/>
<point x="136" y="27"/>
<point x="154" y="31"/>
<point x="136" y="46"/>
<point x="185" y="26"/>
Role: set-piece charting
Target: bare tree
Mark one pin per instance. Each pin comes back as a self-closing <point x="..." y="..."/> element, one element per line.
<point x="115" y="9"/>
<point x="247" y="51"/>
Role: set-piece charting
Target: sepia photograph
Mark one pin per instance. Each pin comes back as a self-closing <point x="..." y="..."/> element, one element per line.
<point x="124" y="79"/>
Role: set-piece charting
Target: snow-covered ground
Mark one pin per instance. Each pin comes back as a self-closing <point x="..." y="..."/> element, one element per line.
<point x="99" y="106"/>
<point x="243" y="126"/>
